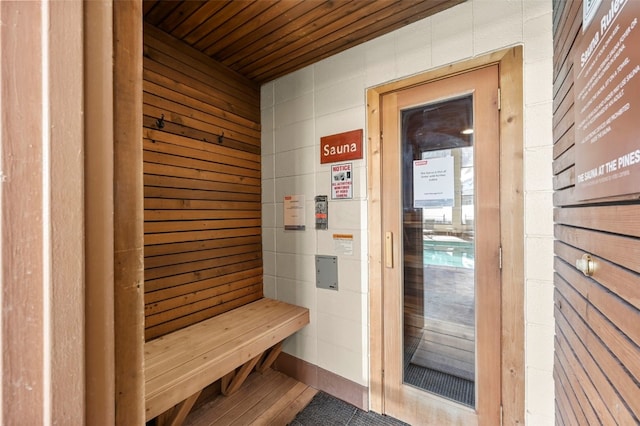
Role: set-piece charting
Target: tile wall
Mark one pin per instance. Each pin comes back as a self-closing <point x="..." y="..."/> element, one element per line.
<point x="328" y="98"/>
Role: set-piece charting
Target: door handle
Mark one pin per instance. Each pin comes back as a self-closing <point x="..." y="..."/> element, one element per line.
<point x="388" y="249"/>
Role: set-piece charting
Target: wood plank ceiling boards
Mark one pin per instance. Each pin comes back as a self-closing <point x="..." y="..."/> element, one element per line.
<point x="266" y="39"/>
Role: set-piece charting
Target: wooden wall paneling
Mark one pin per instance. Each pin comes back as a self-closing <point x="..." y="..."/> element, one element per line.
<point x="597" y="337"/>
<point x="224" y="14"/>
<point x="563" y="143"/>
<point x="203" y="253"/>
<point x="208" y="160"/>
<point x="23" y="363"/>
<point x="512" y="239"/>
<point x="128" y="212"/>
<point x="243" y="35"/>
<point x="66" y="241"/>
<point x="169" y="301"/>
<point x="617" y="219"/>
<point x="193" y="287"/>
<point x="180" y="13"/>
<point x="589" y="358"/>
<point x="184" y="321"/>
<point x="618" y="280"/>
<point x="257" y="39"/>
<point x="99" y="231"/>
<point x="564" y="179"/>
<point x="196" y="305"/>
<point x="237" y="19"/>
<point x="196" y="18"/>
<point x="190" y="256"/>
<point x="563" y="161"/>
<point x="188" y="182"/>
<point x="176" y="248"/>
<point x="174" y="165"/>
<point x="230" y="81"/>
<point x="621" y="250"/>
<point x="196" y="276"/>
<point x="571" y="397"/>
<point x="373" y="25"/>
<point x="232" y="129"/>
<point x="158" y="71"/>
<point x="323" y="21"/>
<point x="582" y="385"/>
<point x="607" y="318"/>
<point x="562" y="43"/>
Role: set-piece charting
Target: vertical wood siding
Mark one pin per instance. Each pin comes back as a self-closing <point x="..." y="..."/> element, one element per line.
<point x="597" y="352"/>
<point x="202" y="217"/>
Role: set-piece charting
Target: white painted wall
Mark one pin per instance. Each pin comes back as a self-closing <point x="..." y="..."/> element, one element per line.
<point x="328" y="98"/>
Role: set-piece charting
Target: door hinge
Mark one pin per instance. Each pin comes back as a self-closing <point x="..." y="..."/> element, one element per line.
<point x="500" y="257"/>
<point x="499" y="99"/>
<point x="501" y="418"/>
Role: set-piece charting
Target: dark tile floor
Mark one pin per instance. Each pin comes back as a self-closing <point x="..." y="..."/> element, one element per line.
<point x="325" y="410"/>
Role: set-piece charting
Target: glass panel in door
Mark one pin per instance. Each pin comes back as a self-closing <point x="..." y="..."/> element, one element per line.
<point x="438" y="248"/>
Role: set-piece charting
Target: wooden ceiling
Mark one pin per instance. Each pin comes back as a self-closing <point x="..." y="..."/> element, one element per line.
<point x="266" y="39"/>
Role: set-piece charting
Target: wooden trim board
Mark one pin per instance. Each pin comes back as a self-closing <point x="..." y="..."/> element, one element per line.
<point x="323" y="380"/>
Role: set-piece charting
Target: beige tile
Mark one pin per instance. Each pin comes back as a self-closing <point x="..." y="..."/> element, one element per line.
<point x="496" y="24"/>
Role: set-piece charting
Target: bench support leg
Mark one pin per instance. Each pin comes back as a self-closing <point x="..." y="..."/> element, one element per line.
<point x="267" y="361"/>
<point x="232" y="381"/>
<point x="176" y="415"/>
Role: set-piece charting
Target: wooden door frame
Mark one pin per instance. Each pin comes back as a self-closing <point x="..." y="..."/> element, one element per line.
<point x="114" y="263"/>
<point x="510" y="64"/>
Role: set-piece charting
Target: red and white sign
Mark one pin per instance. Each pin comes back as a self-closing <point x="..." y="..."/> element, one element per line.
<point x="342" y="181"/>
<point x="341" y="147"/>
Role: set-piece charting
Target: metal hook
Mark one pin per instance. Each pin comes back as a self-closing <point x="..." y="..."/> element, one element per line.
<point x="160" y="122"/>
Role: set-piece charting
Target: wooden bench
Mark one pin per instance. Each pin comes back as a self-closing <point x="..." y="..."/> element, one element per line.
<point x="228" y="347"/>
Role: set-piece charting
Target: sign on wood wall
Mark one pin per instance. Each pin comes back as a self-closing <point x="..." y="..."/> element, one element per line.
<point x="607" y="105"/>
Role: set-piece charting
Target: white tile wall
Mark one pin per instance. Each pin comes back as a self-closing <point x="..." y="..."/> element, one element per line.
<point x="452" y="34"/>
<point x="329" y="97"/>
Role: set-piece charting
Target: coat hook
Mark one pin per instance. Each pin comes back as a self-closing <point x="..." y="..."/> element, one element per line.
<point x="160" y="122"/>
<point x="220" y="137"/>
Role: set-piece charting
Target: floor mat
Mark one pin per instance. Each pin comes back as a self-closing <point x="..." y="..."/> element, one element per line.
<point x="326" y="410"/>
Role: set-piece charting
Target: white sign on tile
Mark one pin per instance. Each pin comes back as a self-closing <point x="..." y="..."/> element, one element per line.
<point x="433" y="184"/>
<point x="294" y="213"/>
<point x="343" y="243"/>
<point x="342" y="181"/>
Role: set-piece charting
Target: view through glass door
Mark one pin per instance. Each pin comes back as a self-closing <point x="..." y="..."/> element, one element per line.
<point x="439" y="248"/>
<point x="442" y="235"/>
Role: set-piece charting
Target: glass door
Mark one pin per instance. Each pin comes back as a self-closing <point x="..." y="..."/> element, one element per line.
<point x="439" y="248"/>
<point x="441" y="281"/>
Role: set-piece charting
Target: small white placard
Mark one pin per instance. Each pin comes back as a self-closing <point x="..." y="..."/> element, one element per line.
<point x="294" y="212"/>
<point x="433" y="182"/>
<point x="342" y="181"/>
<point x="343" y="243"/>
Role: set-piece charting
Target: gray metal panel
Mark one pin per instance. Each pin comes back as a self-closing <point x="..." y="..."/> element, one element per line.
<point x="327" y="272"/>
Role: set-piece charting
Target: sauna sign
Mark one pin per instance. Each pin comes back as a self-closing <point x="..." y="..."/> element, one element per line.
<point x="607" y="105"/>
<point x="341" y="147"/>
<point x="433" y="184"/>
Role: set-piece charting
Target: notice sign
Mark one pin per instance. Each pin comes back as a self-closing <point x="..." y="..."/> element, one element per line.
<point x="433" y="182"/>
<point x="342" y="181"/>
<point x="343" y="243"/>
<point x="607" y="104"/>
<point x="294" y="213"/>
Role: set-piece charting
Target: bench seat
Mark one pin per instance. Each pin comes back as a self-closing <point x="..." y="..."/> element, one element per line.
<point x="180" y="364"/>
